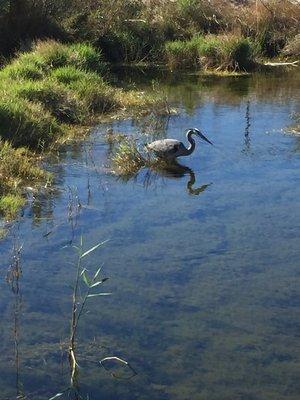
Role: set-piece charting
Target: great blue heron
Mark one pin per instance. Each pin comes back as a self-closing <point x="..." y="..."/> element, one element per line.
<point x="172" y="148"/>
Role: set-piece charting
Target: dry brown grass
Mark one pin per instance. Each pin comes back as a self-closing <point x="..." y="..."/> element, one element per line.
<point x="271" y="23"/>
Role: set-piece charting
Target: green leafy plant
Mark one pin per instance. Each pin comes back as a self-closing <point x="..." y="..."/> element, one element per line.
<point x="89" y="285"/>
<point x="86" y="287"/>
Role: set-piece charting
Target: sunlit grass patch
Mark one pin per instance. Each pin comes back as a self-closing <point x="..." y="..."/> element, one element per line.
<point x="54" y="54"/>
<point x="86" y="57"/>
<point x="69" y="75"/>
<point x="136" y="99"/>
<point x="53" y="84"/>
<point x="10" y="205"/>
<point x="49" y="55"/>
<point x="90" y="88"/>
<point x="97" y="97"/>
<point x="25" y="123"/>
<point x="21" y="70"/>
<point x="60" y="101"/>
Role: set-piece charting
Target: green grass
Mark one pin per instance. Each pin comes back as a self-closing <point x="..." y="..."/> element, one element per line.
<point x="51" y="54"/>
<point x="23" y="69"/>
<point x="68" y="75"/>
<point x="183" y="53"/>
<point x="86" y="57"/>
<point x="89" y="87"/>
<point x="63" y="103"/>
<point x="225" y="52"/>
<point x="41" y="92"/>
<point x="26" y="123"/>
<point x="53" y="85"/>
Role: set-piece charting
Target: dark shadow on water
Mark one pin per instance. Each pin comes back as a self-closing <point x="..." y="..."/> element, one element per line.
<point x="247" y="138"/>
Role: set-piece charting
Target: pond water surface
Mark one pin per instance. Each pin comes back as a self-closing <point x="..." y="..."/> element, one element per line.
<point x="203" y="264"/>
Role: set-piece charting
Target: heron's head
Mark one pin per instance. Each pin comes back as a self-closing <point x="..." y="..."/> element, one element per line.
<point x="196" y="131"/>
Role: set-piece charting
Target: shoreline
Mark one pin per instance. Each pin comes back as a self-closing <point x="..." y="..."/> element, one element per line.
<point x="130" y="103"/>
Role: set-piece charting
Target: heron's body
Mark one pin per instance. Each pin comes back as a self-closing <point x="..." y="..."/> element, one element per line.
<point x="167" y="148"/>
<point x="172" y="148"/>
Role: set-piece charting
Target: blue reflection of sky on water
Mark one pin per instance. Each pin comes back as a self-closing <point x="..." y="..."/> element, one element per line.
<point x="205" y="300"/>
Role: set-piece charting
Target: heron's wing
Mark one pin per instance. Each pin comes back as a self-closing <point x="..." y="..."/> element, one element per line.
<point x="167" y="146"/>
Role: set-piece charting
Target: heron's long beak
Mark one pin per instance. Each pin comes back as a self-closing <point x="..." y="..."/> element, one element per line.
<point x="202" y="136"/>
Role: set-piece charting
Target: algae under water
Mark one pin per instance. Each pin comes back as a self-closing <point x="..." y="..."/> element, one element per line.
<point x="203" y="261"/>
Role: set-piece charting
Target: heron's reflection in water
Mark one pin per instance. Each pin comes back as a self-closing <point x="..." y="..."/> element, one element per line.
<point x="174" y="170"/>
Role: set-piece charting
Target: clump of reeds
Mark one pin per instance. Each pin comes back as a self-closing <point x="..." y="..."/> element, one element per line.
<point x="18" y="167"/>
<point x="127" y="159"/>
<point x="86" y="286"/>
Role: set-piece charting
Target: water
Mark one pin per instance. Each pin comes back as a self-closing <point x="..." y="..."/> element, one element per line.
<point x="204" y="275"/>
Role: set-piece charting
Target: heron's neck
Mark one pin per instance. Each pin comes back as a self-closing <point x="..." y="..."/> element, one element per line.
<point x="191" y="148"/>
